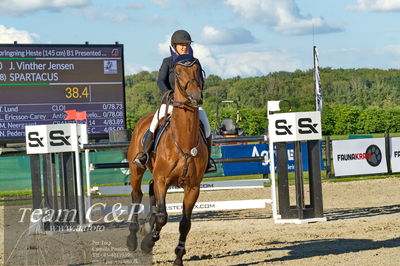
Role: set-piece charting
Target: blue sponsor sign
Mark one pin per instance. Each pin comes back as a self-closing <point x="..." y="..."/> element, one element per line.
<point x="256" y="150"/>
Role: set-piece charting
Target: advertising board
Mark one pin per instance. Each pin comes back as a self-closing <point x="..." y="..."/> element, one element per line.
<point x="256" y="150"/>
<point x="359" y="156"/>
<point x="395" y="154"/>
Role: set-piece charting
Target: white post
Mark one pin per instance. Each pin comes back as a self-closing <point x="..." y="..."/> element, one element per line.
<point x="273" y="106"/>
<point x="273" y="186"/>
<point x="78" y="176"/>
<point x="89" y="195"/>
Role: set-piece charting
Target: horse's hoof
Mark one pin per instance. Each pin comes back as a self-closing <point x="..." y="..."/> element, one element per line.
<point x="131" y="242"/>
<point x="147" y="243"/>
<point x="179" y="252"/>
<point x="178" y="262"/>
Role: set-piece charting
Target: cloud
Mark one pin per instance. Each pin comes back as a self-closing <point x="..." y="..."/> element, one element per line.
<point x="93" y="14"/>
<point x="282" y="16"/>
<point x="116" y="17"/>
<point x="15" y="7"/>
<point x="9" y="35"/>
<point x="392" y="53"/>
<point x="161" y="3"/>
<point x="391" y="50"/>
<point x="244" y="64"/>
<point x="239" y="63"/>
<point x="135" y="6"/>
<point x="342" y="50"/>
<point x="377" y="5"/>
<point x="211" y="35"/>
<point x="133" y="69"/>
<point x="163" y="48"/>
<point x="161" y="21"/>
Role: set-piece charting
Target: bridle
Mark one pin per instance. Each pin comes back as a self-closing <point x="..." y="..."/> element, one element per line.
<point x="190" y="102"/>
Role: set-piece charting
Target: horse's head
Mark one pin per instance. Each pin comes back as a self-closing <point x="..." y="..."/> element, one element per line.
<point x="188" y="81"/>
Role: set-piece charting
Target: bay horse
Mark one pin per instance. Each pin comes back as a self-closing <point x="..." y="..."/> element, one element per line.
<point x="180" y="159"/>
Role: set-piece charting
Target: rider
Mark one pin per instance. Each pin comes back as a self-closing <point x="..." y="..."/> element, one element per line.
<point x="180" y="44"/>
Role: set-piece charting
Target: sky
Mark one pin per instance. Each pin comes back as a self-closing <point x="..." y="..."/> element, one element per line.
<point x="231" y="37"/>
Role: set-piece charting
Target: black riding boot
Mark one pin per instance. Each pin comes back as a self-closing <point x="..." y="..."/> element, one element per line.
<point x="147" y="143"/>
<point x="210" y="166"/>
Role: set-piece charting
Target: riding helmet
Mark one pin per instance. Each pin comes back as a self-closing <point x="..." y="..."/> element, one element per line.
<point x="180" y="36"/>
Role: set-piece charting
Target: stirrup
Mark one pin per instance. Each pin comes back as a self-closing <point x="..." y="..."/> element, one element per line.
<point x="211" y="166"/>
<point x="137" y="160"/>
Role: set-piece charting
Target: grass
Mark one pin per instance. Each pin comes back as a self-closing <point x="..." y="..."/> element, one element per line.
<point x="16" y="197"/>
<point x="15" y="193"/>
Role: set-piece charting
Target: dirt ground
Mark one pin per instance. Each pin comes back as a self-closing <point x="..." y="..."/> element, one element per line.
<point x="363" y="228"/>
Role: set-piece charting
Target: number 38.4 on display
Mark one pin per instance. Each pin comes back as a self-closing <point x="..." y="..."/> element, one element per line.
<point x="76" y="93"/>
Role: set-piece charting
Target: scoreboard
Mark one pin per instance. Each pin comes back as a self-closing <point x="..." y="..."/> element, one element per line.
<point x="39" y="82"/>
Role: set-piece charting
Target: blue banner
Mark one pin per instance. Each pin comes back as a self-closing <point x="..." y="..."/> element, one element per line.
<point x="256" y="150"/>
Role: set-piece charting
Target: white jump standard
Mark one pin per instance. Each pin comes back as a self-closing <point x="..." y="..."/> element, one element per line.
<point x="295" y="127"/>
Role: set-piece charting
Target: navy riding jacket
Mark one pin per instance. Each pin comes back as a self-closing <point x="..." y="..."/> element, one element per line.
<point x="166" y="76"/>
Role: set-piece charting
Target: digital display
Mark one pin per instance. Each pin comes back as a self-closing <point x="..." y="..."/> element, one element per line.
<point x="39" y="82"/>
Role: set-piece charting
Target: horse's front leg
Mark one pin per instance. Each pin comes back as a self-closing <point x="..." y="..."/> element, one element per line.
<point x="159" y="214"/>
<point x="189" y="200"/>
<point x="137" y="195"/>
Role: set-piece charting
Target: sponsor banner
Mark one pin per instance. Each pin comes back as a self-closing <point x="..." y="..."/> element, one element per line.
<point x="395" y="154"/>
<point x="256" y="150"/>
<point x="250" y="150"/>
<point x="221" y="205"/>
<point x="177" y="207"/>
<point x="359" y="156"/>
<point x="213" y="185"/>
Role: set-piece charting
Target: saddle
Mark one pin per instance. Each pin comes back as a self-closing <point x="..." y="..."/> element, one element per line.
<point x="163" y="125"/>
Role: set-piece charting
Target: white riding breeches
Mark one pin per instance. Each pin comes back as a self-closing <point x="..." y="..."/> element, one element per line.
<point x="204" y="120"/>
<point x="161" y="113"/>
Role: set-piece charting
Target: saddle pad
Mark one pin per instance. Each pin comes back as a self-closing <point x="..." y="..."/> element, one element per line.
<point x="161" y="129"/>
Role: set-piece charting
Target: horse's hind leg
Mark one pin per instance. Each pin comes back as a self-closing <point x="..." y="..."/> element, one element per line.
<point x="159" y="216"/>
<point x="189" y="200"/>
<point x="137" y="195"/>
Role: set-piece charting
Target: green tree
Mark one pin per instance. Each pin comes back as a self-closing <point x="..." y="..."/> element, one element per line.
<point x="354" y="100"/>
